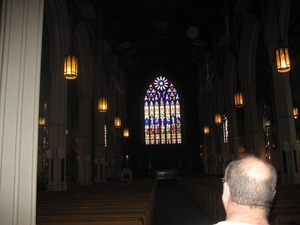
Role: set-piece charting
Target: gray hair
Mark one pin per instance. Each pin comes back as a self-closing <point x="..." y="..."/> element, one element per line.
<point x="251" y="183"/>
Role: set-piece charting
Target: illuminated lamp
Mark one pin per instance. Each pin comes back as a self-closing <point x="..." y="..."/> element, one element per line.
<point x="206" y="129"/>
<point x="295" y="112"/>
<point x="117" y="122"/>
<point x="102" y="104"/>
<point x="282" y="60"/>
<point x="126" y="132"/>
<point x="42" y="121"/>
<point x="218" y="119"/>
<point x="70" y="67"/>
<point x="238" y="99"/>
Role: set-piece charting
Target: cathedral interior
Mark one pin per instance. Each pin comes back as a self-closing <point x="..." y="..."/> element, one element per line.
<point x="209" y="50"/>
<point x="100" y="91"/>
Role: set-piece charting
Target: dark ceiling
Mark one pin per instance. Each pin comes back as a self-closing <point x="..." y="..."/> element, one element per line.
<point x="153" y="32"/>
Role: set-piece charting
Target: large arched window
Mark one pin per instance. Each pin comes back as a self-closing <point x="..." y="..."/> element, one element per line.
<point x="162" y="113"/>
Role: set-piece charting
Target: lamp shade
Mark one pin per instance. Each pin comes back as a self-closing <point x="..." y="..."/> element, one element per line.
<point x="295" y="112"/>
<point x="238" y="99"/>
<point x="282" y="60"/>
<point x="126" y="132"/>
<point x="206" y="129"/>
<point x="102" y="104"/>
<point x="70" y="67"/>
<point x="117" y="122"/>
<point x="218" y="119"/>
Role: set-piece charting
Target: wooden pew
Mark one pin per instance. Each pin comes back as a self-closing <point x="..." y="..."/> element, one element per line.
<point x="128" y="203"/>
<point x="207" y="193"/>
<point x="286" y="205"/>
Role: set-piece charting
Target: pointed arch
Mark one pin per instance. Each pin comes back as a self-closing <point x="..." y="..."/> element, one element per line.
<point x="162" y="113"/>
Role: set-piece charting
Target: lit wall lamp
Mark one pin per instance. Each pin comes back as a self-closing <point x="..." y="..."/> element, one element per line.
<point x="126" y="132"/>
<point x="117" y="122"/>
<point x="238" y="99"/>
<point x="295" y="112"/>
<point x="281" y="53"/>
<point x="218" y="119"/>
<point x="102" y="103"/>
<point x="206" y="129"/>
<point x="70" y="66"/>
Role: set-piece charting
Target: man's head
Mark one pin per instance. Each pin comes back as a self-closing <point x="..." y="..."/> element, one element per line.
<point x="250" y="182"/>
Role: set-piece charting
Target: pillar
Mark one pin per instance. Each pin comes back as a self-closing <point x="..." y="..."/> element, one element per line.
<point x="57" y="135"/>
<point x="20" y="59"/>
<point x="84" y="140"/>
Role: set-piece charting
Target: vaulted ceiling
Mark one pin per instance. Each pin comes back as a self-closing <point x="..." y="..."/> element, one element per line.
<point x="164" y="33"/>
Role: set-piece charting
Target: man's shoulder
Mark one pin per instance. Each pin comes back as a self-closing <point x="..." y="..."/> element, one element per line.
<point x="230" y="223"/>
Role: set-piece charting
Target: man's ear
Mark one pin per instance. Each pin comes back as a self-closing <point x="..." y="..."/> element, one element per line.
<point x="226" y="194"/>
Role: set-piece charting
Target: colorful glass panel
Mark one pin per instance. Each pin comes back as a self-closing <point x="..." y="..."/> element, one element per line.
<point x="162" y="116"/>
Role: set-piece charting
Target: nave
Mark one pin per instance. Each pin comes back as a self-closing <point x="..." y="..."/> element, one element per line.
<point x="188" y="201"/>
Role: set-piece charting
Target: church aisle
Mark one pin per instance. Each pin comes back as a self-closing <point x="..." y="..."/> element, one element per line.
<point x="173" y="207"/>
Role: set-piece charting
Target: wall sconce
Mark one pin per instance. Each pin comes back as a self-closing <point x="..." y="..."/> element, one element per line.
<point x="295" y="112"/>
<point x="238" y="99"/>
<point x="102" y="103"/>
<point x="70" y="66"/>
<point x="206" y="129"/>
<point x="117" y="122"/>
<point x="126" y="132"/>
<point x="218" y="119"/>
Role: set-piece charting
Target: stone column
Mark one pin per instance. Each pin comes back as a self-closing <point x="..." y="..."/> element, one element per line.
<point x="233" y="139"/>
<point x="246" y="64"/>
<point x="20" y="59"/>
<point x="84" y="140"/>
<point x="57" y="136"/>
<point x="252" y="144"/>
<point x="100" y="149"/>
<point x="287" y="156"/>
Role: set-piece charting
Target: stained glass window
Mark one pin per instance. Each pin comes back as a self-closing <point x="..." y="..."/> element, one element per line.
<point x="225" y="129"/>
<point x="162" y="113"/>
<point x="105" y="136"/>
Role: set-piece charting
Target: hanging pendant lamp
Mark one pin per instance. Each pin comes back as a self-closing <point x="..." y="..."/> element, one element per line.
<point x="70" y="66"/>
<point x="126" y="132"/>
<point x="282" y="60"/>
<point x="218" y="119"/>
<point x="102" y="103"/>
<point x="206" y="129"/>
<point x="295" y="112"/>
<point x="281" y="53"/>
<point x="238" y="99"/>
<point x="117" y="122"/>
<point x="42" y="121"/>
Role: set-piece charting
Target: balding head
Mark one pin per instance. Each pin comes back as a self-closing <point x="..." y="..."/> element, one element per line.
<point x="252" y="182"/>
